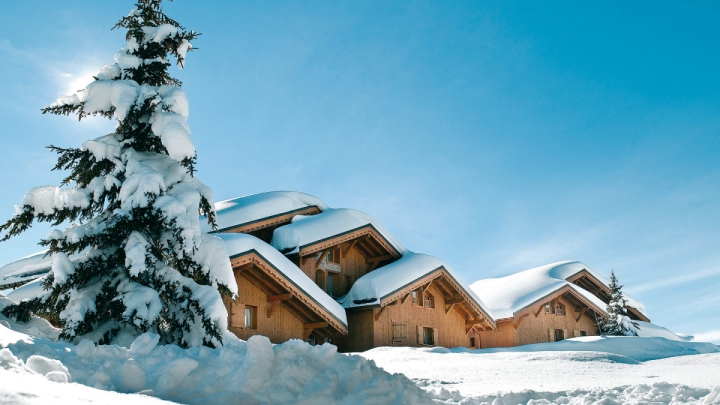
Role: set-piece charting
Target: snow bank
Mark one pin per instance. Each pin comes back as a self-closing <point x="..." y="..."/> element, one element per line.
<point x="306" y="230"/>
<point x="648" y="329"/>
<point x="252" y="372"/>
<point x="371" y="288"/>
<point x="238" y="244"/>
<point x="250" y="208"/>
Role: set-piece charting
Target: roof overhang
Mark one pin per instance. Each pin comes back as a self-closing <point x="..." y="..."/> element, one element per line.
<point x="455" y="297"/>
<point x="585" y="280"/>
<point x="274" y="220"/>
<point x="264" y="275"/>
<point x="368" y="240"/>
<point x="580" y="303"/>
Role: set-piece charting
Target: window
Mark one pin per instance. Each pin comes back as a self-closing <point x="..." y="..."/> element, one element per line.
<point x="320" y="279"/>
<point x="429" y="301"/>
<point x="559" y="309"/>
<point x="559" y="335"/>
<point x="428" y="336"/>
<point x="583" y="333"/>
<point x="472" y="342"/>
<point x="250" y="317"/>
<point x="329" y="284"/>
<point x="548" y="309"/>
<point x="416" y="297"/>
<point x="333" y="256"/>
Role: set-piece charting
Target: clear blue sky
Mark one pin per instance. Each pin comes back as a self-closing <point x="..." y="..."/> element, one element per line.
<point x="496" y="136"/>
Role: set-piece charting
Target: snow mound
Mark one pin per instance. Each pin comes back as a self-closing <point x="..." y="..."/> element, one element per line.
<point x="250" y="208"/>
<point x="507" y="295"/>
<point x="238" y="244"/>
<point x="252" y="372"/>
<point x="306" y="230"/>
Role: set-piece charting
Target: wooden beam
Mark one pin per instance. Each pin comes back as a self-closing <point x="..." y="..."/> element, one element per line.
<point x="271" y="308"/>
<point x="473" y="322"/>
<point x="306" y="258"/>
<point x="580" y="315"/>
<point x="281" y="297"/>
<point x="446" y="292"/>
<point x="393" y="303"/>
<point x="455" y="301"/>
<point x="322" y="256"/>
<point x="373" y="266"/>
<point x="405" y="298"/>
<point x="426" y="287"/>
<point x="449" y="308"/>
<point x="378" y="259"/>
<point x="540" y="309"/>
<point x="316" y="325"/>
<point x="350" y="246"/>
<point x="306" y="334"/>
<point x="377" y="315"/>
<point x="517" y="325"/>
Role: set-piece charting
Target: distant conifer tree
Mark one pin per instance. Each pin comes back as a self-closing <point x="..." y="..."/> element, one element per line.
<point x="133" y="258"/>
<point x="617" y="322"/>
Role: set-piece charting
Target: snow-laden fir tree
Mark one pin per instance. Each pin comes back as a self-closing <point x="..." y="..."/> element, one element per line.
<point x="140" y="262"/>
<point x="617" y="322"/>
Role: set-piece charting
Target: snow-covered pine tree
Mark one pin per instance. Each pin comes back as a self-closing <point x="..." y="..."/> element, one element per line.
<point x="617" y="322"/>
<point x="140" y="261"/>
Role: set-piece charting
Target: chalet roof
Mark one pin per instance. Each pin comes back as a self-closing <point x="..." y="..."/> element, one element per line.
<point x="24" y="270"/>
<point x="308" y="230"/>
<point x="238" y="244"/>
<point x="373" y="287"/>
<point x="240" y="211"/>
<point x="505" y="296"/>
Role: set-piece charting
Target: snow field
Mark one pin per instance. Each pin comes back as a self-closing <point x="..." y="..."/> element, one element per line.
<point x="609" y="372"/>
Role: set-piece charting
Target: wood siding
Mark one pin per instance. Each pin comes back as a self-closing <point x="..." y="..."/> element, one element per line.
<point x="531" y="329"/>
<point x="280" y="327"/>
<point x="353" y="265"/>
<point x="366" y="332"/>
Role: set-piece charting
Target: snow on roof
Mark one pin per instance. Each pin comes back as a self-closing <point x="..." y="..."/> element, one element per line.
<point x="250" y="208"/>
<point x="371" y="288"/>
<point x="306" y="230"/>
<point x="567" y="269"/>
<point x="26" y="269"/>
<point x="507" y="295"/>
<point x="239" y="243"/>
<point x="27" y="291"/>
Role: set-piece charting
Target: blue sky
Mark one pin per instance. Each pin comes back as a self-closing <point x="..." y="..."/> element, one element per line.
<point x="497" y="136"/>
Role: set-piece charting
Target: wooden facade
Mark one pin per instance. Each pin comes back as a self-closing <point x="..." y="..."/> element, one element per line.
<point x="269" y="304"/>
<point x="432" y="311"/>
<point x="336" y="263"/>
<point x="560" y="315"/>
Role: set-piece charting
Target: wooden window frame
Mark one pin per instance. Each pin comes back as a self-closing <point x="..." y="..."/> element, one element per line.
<point x="250" y="323"/>
<point x="428" y="300"/>
<point x="415" y="295"/>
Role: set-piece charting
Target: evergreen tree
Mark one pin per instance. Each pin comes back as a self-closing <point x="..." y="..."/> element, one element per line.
<point x="617" y="322"/>
<point x="133" y="205"/>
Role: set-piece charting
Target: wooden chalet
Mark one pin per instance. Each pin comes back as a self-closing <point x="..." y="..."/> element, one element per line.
<point x="545" y="304"/>
<point x="415" y="301"/>
<point x="317" y="256"/>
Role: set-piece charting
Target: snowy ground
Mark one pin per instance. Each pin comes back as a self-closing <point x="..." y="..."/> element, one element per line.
<point x="37" y="369"/>
<point x="518" y="376"/>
